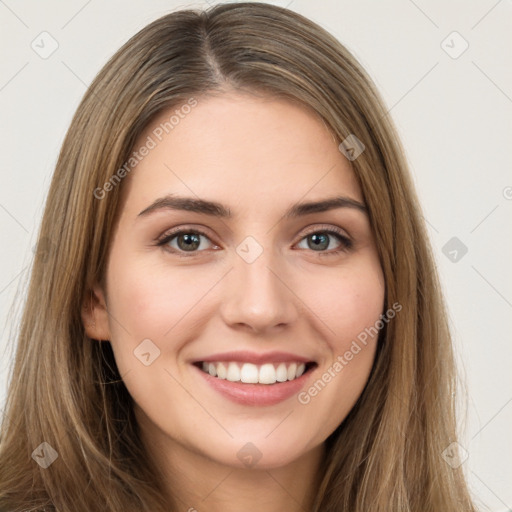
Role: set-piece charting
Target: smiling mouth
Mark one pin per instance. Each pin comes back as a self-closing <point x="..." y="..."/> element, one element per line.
<point x="248" y="373"/>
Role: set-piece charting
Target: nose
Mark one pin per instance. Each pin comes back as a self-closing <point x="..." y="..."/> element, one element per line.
<point x="259" y="295"/>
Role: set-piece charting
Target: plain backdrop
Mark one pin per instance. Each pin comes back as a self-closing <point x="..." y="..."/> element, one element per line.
<point x="444" y="70"/>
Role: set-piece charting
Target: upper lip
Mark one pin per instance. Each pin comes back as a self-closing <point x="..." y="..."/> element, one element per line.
<point x="246" y="356"/>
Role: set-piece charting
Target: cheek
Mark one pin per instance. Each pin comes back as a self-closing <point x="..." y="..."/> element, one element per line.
<point x="348" y="303"/>
<point x="154" y="301"/>
<point x="350" y="306"/>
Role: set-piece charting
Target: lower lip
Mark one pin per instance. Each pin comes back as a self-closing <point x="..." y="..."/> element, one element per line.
<point x="256" y="394"/>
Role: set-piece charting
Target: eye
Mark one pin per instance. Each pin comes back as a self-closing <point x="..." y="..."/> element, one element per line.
<point x="319" y="239"/>
<point x="181" y="241"/>
<point x="187" y="240"/>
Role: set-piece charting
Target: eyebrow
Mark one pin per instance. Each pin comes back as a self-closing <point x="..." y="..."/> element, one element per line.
<point x="214" y="209"/>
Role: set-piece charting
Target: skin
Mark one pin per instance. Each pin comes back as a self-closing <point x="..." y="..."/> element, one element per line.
<point x="258" y="156"/>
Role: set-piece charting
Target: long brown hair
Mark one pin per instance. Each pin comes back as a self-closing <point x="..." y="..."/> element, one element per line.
<point x="65" y="389"/>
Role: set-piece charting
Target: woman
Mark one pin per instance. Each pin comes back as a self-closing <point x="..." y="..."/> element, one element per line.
<point x="236" y="305"/>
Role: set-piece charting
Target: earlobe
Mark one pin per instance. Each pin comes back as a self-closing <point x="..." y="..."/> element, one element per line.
<point x="95" y="314"/>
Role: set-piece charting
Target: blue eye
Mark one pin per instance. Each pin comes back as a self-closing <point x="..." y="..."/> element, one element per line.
<point x="190" y="241"/>
<point x="321" y="239"/>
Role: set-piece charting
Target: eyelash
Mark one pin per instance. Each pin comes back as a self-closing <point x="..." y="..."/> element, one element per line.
<point x="345" y="243"/>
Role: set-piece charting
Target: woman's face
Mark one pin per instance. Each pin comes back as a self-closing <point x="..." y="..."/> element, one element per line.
<point x="260" y="294"/>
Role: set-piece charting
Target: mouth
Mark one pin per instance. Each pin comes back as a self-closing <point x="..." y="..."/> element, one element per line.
<point x="250" y="373"/>
<point x="255" y="379"/>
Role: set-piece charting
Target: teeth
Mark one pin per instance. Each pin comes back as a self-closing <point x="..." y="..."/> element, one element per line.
<point x="222" y="371"/>
<point x="233" y="372"/>
<point x="292" y="371"/>
<point x="281" y="373"/>
<point x="249" y="373"/>
<point x="267" y="374"/>
<point x="253" y="374"/>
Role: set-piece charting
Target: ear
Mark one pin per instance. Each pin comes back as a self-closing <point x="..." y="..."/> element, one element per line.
<point x="95" y="314"/>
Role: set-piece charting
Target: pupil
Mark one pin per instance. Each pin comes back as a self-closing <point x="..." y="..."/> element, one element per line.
<point x="191" y="241"/>
<point x="317" y="240"/>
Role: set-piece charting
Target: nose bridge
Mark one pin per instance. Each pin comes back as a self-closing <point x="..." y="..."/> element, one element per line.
<point x="257" y="294"/>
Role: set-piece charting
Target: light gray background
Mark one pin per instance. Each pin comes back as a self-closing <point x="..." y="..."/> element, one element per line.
<point x="453" y="114"/>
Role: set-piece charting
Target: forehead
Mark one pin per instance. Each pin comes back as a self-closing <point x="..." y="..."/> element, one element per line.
<point x="240" y="149"/>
